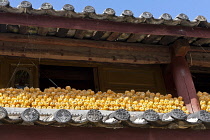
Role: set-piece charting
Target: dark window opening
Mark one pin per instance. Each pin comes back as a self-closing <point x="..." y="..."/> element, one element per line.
<point x="22" y="79"/>
<point x="201" y="81"/>
<point x="62" y="76"/>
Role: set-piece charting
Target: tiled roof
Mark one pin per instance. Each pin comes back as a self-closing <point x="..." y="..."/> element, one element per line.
<point x="176" y="119"/>
<point x="108" y="15"/>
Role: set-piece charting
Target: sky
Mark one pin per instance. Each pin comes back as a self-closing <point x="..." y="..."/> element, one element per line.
<point x="192" y="8"/>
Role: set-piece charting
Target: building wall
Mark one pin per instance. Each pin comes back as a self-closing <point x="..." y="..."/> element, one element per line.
<point x="10" y="65"/>
<point x="117" y="77"/>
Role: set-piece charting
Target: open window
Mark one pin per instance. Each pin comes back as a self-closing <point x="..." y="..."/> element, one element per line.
<point x="61" y="76"/>
<point x="201" y="81"/>
<point x="201" y="78"/>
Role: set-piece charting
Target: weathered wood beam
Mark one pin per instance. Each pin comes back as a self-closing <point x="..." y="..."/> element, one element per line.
<point x="84" y="53"/>
<point x="102" y="25"/>
<point x="44" y="40"/>
<point x="197" y="56"/>
<point x="180" y="47"/>
<point x="201" y="59"/>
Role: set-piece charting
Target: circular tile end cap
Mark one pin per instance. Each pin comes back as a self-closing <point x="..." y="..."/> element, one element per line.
<point x="30" y="115"/>
<point x="200" y="18"/>
<point x="46" y="6"/>
<point x="25" y="4"/>
<point x="151" y="115"/>
<point x="127" y="13"/>
<point x="121" y="115"/>
<point x="4" y="3"/>
<point x="178" y="114"/>
<point x="109" y="11"/>
<point x="166" y="16"/>
<point x="182" y="16"/>
<point x="94" y="115"/>
<point x="3" y="113"/>
<point x="68" y="7"/>
<point x="146" y="15"/>
<point x="89" y="9"/>
<point x="204" y="116"/>
<point x="62" y="116"/>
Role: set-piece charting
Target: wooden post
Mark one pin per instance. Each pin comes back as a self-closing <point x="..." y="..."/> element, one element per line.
<point x="182" y="76"/>
<point x="184" y="83"/>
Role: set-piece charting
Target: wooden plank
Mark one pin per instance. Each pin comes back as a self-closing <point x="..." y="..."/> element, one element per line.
<point x="203" y="41"/>
<point x="69" y="52"/>
<point x="23" y="29"/>
<point x="123" y="37"/>
<point x="13" y="28"/>
<point x="71" y="33"/>
<point x="62" y="32"/>
<point x="198" y="59"/>
<point x="152" y="39"/>
<point x="136" y="38"/>
<point x="45" y="40"/>
<point x="199" y="49"/>
<point x="105" y="35"/>
<point x="98" y="35"/>
<point x="113" y="36"/>
<point x="166" y="40"/>
<point x="79" y="34"/>
<point x="52" y="31"/>
<point x="184" y="83"/>
<point x="42" y="31"/>
<point x="88" y="34"/>
<point x="102" y="25"/>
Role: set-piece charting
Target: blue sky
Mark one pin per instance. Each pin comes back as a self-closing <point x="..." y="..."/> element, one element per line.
<point x="192" y="8"/>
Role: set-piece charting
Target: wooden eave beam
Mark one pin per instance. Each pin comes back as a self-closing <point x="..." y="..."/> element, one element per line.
<point x="196" y="56"/>
<point x="80" y="50"/>
<point x="46" y="40"/>
<point x="102" y="25"/>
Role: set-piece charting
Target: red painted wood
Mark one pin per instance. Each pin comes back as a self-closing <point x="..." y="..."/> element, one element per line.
<point x="184" y="83"/>
<point x="102" y="25"/>
<point x="18" y="132"/>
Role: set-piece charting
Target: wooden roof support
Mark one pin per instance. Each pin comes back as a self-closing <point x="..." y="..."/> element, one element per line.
<point x="102" y="25"/>
<point x="182" y="76"/>
<point x="180" y="47"/>
<point x="184" y="83"/>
